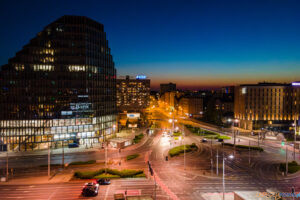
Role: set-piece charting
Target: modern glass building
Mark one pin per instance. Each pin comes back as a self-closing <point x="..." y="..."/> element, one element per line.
<point x="59" y="87"/>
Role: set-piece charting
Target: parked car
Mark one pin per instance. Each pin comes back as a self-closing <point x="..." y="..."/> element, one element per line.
<point x="204" y="140"/>
<point x="220" y="140"/>
<point x="103" y="181"/>
<point x="73" y="145"/>
<point x="90" y="189"/>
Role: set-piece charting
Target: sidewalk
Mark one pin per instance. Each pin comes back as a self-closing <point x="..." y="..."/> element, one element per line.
<point x="81" y="148"/>
<point x="96" y="147"/>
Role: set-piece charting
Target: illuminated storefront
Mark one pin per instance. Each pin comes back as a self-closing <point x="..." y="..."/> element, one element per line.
<point x="59" y="87"/>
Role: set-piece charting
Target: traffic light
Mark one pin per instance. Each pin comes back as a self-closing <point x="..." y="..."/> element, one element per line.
<point x="282" y="143"/>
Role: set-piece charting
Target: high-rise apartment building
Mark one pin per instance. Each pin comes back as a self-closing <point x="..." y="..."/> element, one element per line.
<point x="267" y="105"/>
<point x="59" y="87"/>
<point x="133" y="94"/>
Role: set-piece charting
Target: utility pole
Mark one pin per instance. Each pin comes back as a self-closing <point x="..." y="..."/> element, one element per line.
<point x="223" y="178"/>
<point x="184" y="150"/>
<point x="217" y="166"/>
<point x="105" y="156"/>
<point x="249" y="152"/>
<point x="211" y="156"/>
<point x="63" y="154"/>
<point x="295" y="137"/>
<point x="258" y="138"/>
<point x="48" y="161"/>
<point x="234" y="136"/>
<point x="7" y="164"/>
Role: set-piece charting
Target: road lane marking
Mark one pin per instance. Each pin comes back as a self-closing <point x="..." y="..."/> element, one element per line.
<point x="106" y="193"/>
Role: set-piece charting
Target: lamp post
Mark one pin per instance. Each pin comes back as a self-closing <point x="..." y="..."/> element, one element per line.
<point x="63" y="154"/>
<point x="295" y="137"/>
<point x="224" y="159"/>
<point x="7" y="164"/>
<point x="286" y="159"/>
<point x="48" y="161"/>
<point x="234" y="132"/>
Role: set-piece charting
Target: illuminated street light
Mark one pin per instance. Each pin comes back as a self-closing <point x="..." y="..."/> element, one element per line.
<point x="224" y="159"/>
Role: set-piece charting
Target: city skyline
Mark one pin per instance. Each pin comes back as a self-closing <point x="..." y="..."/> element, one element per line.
<point x="195" y="44"/>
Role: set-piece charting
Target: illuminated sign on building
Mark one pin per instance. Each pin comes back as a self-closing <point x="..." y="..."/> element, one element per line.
<point x="141" y="77"/>
<point x="133" y="115"/>
<point x="80" y="106"/>
<point x="296" y="84"/>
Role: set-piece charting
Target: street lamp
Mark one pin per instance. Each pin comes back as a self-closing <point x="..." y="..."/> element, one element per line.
<point x="224" y="159"/>
<point x="234" y="133"/>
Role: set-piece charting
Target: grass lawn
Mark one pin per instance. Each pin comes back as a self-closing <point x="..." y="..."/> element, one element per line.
<point x="180" y="149"/>
<point x="133" y="156"/>
<point x="245" y="147"/>
<point x="293" y="167"/>
<point x="207" y="134"/>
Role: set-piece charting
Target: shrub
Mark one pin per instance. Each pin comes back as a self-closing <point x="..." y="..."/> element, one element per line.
<point x="107" y="176"/>
<point x="293" y="167"/>
<point x="138" y="138"/>
<point x="83" y="162"/>
<point x="85" y="175"/>
<point x="140" y="175"/>
<point x="133" y="156"/>
<point x="180" y="149"/>
<point x="245" y="147"/>
<point x="114" y="173"/>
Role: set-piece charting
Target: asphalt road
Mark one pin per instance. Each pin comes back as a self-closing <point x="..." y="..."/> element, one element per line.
<point x="198" y="178"/>
<point x="73" y="190"/>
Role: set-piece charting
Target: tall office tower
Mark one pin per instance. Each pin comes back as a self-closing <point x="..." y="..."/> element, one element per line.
<point x="59" y="87"/>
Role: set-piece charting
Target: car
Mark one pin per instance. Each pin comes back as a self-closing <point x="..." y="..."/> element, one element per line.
<point x="90" y="189"/>
<point x="103" y="181"/>
<point x="220" y="140"/>
<point x="73" y="145"/>
<point x="204" y="140"/>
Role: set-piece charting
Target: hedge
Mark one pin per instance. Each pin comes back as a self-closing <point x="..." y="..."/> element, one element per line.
<point x="106" y="176"/>
<point x="126" y="173"/>
<point x="133" y="156"/>
<point x="293" y="167"/>
<point x="83" y="162"/>
<point x="245" y="147"/>
<point x="180" y="149"/>
<point x="138" y="138"/>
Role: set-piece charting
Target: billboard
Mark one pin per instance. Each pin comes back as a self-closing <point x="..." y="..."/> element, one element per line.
<point x="133" y="115"/>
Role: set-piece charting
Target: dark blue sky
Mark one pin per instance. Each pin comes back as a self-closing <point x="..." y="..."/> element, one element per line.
<point x="192" y="43"/>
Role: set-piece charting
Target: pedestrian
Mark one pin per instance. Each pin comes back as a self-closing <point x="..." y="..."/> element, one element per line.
<point x="119" y="150"/>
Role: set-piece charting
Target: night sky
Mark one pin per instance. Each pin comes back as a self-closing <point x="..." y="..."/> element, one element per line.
<point x="192" y="43"/>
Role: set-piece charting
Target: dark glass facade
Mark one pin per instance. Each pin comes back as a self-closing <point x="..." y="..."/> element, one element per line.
<point x="59" y="87"/>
